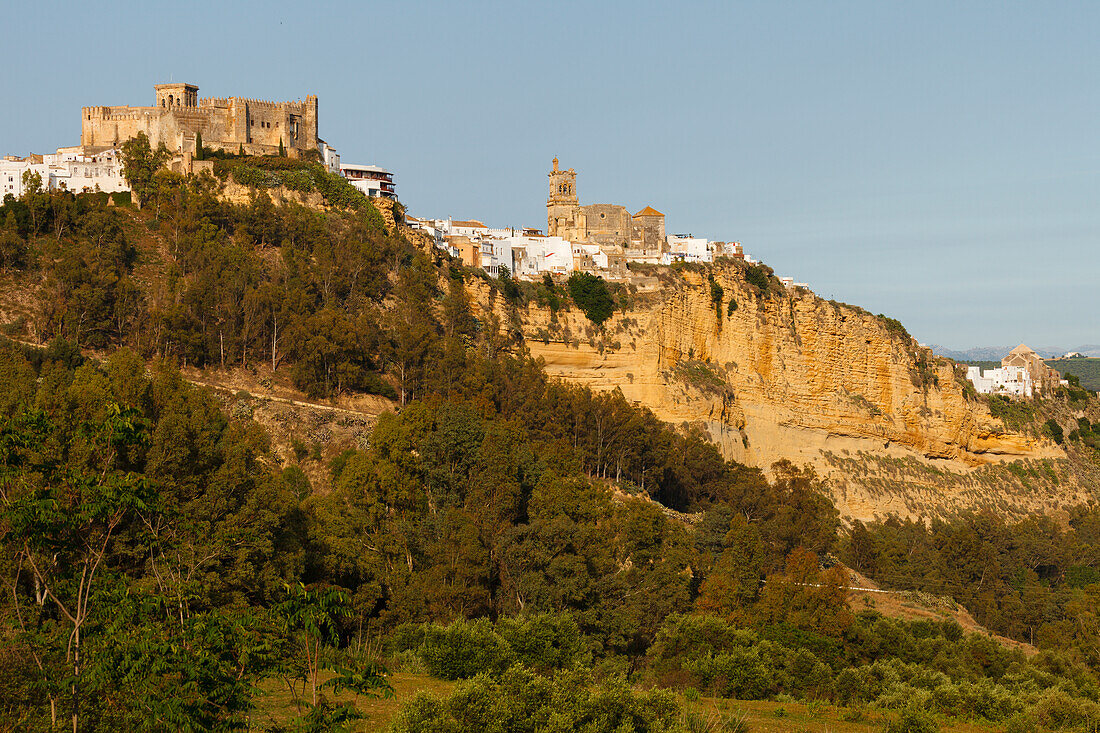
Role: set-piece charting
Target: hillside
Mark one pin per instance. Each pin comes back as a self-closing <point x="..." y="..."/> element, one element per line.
<point x="771" y="374"/>
<point x="1086" y="369"/>
<point x="766" y="373"/>
<point x="305" y="446"/>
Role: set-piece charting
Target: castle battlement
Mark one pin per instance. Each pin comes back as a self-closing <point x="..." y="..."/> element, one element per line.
<point x="179" y="115"/>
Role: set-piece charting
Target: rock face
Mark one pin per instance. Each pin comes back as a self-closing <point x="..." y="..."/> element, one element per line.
<point x="783" y="374"/>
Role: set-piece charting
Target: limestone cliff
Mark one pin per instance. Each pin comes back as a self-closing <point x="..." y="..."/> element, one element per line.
<point x="785" y="374"/>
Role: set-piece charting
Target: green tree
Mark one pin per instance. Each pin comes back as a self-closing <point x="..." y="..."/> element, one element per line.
<point x="140" y="164"/>
<point x="412" y="328"/>
<point x="61" y="522"/>
<point x="591" y="295"/>
<point x="733" y="584"/>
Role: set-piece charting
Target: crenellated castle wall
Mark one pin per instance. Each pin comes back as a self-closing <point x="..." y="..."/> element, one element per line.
<point x="224" y="122"/>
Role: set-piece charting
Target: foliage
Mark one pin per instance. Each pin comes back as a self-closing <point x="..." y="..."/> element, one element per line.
<point x="140" y="164"/>
<point x="1016" y="414"/>
<point x="894" y="327"/>
<point x="1054" y="430"/>
<point x="759" y="276"/>
<point x="1085" y="369"/>
<point x="591" y="295"/>
<point x="508" y="285"/>
<point x="544" y="642"/>
<point x="302" y="176"/>
<point x="703" y="376"/>
<point x="912" y="720"/>
<point x="522" y="701"/>
<point x="716" y="295"/>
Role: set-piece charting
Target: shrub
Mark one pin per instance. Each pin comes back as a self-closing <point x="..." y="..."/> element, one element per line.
<point x="912" y="720"/>
<point x="716" y="295"/>
<point x="894" y="326"/>
<point x="522" y="701"/>
<point x="300" y="449"/>
<point x="1054" y="430"/>
<point x="741" y="673"/>
<point x="545" y="642"/>
<point x="591" y="295"/>
<point x="464" y="649"/>
<point x="759" y="276"/>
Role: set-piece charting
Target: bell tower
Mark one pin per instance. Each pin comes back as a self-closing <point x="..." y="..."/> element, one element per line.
<point x="564" y="216"/>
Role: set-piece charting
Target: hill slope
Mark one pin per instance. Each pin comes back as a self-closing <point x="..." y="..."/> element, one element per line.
<point x="774" y="374"/>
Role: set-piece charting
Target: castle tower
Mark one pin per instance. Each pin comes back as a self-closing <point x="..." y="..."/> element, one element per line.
<point x="171" y="96"/>
<point x="564" y="216"/>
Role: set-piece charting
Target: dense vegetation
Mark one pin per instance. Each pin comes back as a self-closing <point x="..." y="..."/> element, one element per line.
<point x="159" y="561"/>
<point x="1086" y="369"/>
<point x="591" y="295"/>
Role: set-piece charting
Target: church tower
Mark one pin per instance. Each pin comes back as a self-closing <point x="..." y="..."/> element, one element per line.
<point x="564" y="216"/>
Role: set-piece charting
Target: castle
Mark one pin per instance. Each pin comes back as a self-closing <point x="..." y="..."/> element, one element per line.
<point x="178" y="117"/>
<point x="609" y="225"/>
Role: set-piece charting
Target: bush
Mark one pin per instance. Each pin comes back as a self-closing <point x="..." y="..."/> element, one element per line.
<point x="759" y="276"/>
<point x="1054" y="430"/>
<point x="894" y="326"/>
<point x="13" y="250"/>
<point x="523" y="702"/>
<point x="716" y="295"/>
<point x="912" y="720"/>
<point x="591" y="295"/>
<point x="545" y="642"/>
<point x="464" y="649"/>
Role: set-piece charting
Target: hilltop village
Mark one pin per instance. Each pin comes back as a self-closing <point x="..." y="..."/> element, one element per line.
<point x="603" y="239"/>
<point x="598" y="238"/>
<point x="186" y="125"/>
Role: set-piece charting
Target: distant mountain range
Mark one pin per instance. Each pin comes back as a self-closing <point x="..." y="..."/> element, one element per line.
<point x="996" y="353"/>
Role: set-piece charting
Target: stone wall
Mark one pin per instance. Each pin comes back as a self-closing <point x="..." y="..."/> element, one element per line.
<point x="225" y="123"/>
<point x="608" y="224"/>
<point x="649" y="232"/>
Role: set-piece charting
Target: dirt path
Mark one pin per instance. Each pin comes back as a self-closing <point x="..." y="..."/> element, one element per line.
<point x="284" y="400"/>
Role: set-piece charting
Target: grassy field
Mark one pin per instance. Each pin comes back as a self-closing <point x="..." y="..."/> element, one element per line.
<point x="276" y="707"/>
<point x="1087" y="369"/>
<point x="783" y="717"/>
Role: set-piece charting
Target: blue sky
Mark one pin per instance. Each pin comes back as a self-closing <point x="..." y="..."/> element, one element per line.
<point x="937" y="162"/>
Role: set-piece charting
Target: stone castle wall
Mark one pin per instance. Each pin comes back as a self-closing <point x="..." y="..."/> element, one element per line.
<point x="226" y="123"/>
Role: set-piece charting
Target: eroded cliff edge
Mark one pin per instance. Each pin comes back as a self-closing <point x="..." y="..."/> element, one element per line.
<point x="785" y="374"/>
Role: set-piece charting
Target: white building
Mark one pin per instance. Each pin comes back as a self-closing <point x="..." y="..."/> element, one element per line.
<point x="329" y="157"/>
<point x="471" y="228"/>
<point x="68" y="168"/>
<point x="372" y="180"/>
<point x="433" y="227"/>
<point x="1006" y="380"/>
<point x="686" y="248"/>
<point x="533" y="255"/>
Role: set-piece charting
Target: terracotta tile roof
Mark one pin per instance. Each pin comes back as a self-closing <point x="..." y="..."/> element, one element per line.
<point x="470" y="223"/>
<point x="649" y="211"/>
